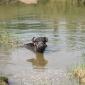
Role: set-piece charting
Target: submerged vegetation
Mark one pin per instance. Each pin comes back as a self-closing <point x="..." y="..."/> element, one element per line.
<point x="6" y="40"/>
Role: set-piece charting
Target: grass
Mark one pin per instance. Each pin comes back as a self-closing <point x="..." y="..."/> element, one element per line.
<point x="3" y="80"/>
<point x="51" y="10"/>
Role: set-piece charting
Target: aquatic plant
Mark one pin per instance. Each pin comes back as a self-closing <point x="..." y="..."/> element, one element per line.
<point x="48" y="9"/>
<point x="3" y="80"/>
<point x="79" y="74"/>
<point x="6" y="40"/>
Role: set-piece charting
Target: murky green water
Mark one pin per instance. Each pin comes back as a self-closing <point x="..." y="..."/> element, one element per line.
<point x="66" y="49"/>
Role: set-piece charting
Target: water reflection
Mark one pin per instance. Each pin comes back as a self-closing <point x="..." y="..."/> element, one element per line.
<point x="4" y="59"/>
<point x="39" y="61"/>
<point x="65" y="49"/>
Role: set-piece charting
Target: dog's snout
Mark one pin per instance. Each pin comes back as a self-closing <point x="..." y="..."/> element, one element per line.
<point x="41" y="46"/>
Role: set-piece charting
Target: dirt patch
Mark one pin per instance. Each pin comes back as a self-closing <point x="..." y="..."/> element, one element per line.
<point x="29" y="1"/>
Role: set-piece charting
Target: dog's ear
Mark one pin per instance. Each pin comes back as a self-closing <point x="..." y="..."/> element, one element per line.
<point x="33" y="39"/>
<point x="46" y="39"/>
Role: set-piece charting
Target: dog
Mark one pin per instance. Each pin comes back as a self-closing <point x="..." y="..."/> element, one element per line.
<point x="38" y="44"/>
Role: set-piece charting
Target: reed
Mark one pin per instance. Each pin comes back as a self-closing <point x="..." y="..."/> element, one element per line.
<point x="49" y="9"/>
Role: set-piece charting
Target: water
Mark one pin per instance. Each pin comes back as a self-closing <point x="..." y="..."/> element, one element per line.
<point x="66" y="49"/>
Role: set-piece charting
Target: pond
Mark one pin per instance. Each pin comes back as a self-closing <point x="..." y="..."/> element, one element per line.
<point x="65" y="50"/>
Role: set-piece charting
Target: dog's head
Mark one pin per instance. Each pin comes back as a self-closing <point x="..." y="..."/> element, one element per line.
<point x="40" y="39"/>
<point x="40" y="43"/>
